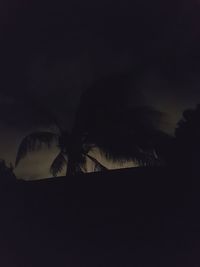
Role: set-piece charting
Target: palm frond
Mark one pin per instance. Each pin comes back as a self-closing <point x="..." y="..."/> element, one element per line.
<point x="34" y="142"/>
<point x="136" y="154"/>
<point x="97" y="163"/>
<point x="58" y="164"/>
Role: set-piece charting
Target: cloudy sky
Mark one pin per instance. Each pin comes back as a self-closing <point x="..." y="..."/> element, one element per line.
<point x="52" y="51"/>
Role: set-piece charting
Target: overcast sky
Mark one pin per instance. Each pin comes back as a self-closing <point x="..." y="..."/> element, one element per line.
<point x="51" y="52"/>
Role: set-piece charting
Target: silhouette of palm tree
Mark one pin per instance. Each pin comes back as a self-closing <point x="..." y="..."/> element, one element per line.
<point x="129" y="136"/>
<point x="104" y="121"/>
<point x="73" y="150"/>
<point x="121" y="133"/>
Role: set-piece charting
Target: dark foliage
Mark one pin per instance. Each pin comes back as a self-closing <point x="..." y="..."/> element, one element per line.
<point x="73" y="150"/>
<point x="105" y="119"/>
<point x="187" y="143"/>
<point x="34" y="141"/>
<point x="6" y="173"/>
<point x="120" y="131"/>
<point x="58" y="164"/>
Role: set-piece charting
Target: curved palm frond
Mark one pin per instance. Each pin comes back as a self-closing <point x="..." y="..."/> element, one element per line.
<point x="33" y="142"/>
<point x="97" y="163"/>
<point x="147" y="158"/>
<point x="121" y="155"/>
<point x="58" y="164"/>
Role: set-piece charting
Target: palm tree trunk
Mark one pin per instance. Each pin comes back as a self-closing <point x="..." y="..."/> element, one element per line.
<point x="71" y="167"/>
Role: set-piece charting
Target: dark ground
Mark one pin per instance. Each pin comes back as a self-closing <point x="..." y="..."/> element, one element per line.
<point x="134" y="217"/>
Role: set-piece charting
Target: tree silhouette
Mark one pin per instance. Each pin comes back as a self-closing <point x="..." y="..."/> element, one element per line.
<point x="73" y="150"/>
<point x="6" y="172"/>
<point x="103" y="120"/>
<point x="121" y="132"/>
<point x="188" y="139"/>
<point x="128" y="135"/>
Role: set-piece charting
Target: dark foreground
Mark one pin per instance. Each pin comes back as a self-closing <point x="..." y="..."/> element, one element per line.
<point x="138" y="217"/>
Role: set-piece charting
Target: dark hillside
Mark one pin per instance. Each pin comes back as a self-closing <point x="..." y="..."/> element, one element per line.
<point x="133" y="217"/>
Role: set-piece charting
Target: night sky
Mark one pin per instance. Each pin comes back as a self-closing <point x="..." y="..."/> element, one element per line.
<point x="52" y="51"/>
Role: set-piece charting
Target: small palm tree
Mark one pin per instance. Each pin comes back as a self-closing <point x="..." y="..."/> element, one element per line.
<point x="73" y="151"/>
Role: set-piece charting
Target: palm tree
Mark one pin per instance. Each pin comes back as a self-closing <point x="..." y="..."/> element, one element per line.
<point x="142" y="146"/>
<point x="73" y="150"/>
<point x="102" y="120"/>
<point x="121" y="132"/>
